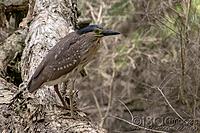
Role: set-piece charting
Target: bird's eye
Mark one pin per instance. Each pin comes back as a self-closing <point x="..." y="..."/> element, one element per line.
<point x="97" y="31"/>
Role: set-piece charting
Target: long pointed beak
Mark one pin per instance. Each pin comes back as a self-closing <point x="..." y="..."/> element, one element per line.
<point x="109" y="33"/>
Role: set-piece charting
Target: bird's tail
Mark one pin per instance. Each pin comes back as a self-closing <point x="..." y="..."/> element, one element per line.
<point x="34" y="84"/>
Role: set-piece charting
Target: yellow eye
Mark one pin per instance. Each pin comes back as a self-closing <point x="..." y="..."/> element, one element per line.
<point x="97" y="31"/>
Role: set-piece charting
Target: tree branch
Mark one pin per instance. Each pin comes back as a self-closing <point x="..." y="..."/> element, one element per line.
<point x="41" y="112"/>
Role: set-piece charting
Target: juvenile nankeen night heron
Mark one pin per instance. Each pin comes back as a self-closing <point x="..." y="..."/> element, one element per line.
<point x="68" y="57"/>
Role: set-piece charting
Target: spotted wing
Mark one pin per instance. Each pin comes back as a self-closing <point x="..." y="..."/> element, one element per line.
<point x="64" y="62"/>
<point x="45" y="69"/>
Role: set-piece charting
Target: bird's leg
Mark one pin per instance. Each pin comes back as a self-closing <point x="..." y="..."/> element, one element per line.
<point x="83" y="72"/>
<point x="61" y="98"/>
<point x="71" y="94"/>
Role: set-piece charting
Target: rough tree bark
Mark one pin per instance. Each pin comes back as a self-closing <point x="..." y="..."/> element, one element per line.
<point x="11" y="47"/>
<point x="9" y="19"/>
<point x="3" y="24"/>
<point x="52" y="20"/>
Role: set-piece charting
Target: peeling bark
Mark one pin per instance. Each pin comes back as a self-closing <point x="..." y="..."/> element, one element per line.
<point x="13" y="45"/>
<point x="6" y="91"/>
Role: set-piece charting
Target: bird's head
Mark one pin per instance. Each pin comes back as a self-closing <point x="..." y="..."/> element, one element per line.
<point x="90" y="40"/>
<point x="98" y="30"/>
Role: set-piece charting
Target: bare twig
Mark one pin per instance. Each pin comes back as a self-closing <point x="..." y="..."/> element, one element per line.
<point x="171" y="105"/>
<point x="99" y="18"/>
<point x="97" y="104"/>
<point x="92" y="11"/>
<point x="127" y="109"/>
<point x="110" y="95"/>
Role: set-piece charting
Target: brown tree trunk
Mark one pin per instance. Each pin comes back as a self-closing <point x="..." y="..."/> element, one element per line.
<point x="51" y="20"/>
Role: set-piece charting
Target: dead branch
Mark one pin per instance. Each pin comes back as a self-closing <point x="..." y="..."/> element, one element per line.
<point x="41" y="112"/>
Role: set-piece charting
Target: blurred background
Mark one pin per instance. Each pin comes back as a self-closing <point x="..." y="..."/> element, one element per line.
<point x="149" y="75"/>
<point x="148" y="78"/>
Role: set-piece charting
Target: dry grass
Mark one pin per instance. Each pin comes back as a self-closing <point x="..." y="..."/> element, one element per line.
<point x="153" y="68"/>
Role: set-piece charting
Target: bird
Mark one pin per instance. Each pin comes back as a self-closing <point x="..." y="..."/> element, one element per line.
<point x="68" y="58"/>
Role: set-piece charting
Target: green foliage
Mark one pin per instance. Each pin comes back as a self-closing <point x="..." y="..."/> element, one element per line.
<point x="195" y="15"/>
<point x="123" y="7"/>
<point x="160" y="37"/>
<point x="120" y="60"/>
<point x="169" y="26"/>
<point x="178" y="7"/>
<point x="196" y="3"/>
